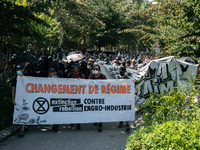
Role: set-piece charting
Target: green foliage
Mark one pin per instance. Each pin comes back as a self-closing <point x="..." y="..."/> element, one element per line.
<point x="16" y="19"/>
<point x="175" y="105"/>
<point x="173" y="122"/>
<point x="6" y="107"/>
<point x="176" y="135"/>
<point x="173" y="24"/>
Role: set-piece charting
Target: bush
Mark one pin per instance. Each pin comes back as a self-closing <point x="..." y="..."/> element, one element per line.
<point x="173" y="119"/>
<point x="6" y="107"/>
<point x="174" y="135"/>
<point x="175" y="105"/>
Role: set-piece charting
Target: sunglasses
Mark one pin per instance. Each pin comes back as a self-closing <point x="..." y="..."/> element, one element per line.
<point x="96" y="67"/>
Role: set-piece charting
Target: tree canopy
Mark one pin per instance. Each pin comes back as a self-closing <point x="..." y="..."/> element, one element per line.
<point x="82" y="24"/>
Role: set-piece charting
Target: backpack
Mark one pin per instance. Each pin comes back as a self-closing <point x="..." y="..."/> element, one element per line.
<point x="101" y="76"/>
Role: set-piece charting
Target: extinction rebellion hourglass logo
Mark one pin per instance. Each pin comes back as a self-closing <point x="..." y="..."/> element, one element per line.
<point x="41" y="105"/>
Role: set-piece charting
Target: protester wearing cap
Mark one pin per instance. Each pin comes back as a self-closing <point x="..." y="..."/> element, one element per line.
<point x="52" y="73"/>
<point x="122" y="71"/>
<point x="19" y="72"/>
<point x="99" y="76"/>
<point x="76" y="74"/>
<point x="96" y="73"/>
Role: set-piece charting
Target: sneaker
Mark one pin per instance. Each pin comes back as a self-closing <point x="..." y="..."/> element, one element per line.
<point x="100" y="127"/>
<point x="21" y="133"/>
<point x="128" y="128"/>
<point x="78" y="126"/>
<point x="120" y="124"/>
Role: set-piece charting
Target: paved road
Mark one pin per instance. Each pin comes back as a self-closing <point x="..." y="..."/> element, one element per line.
<point x="68" y="138"/>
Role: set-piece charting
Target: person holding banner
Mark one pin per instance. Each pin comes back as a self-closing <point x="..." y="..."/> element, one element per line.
<point x="122" y="75"/>
<point x="52" y="74"/>
<point x="76" y="74"/>
<point x="99" y="76"/>
<point x="19" y="71"/>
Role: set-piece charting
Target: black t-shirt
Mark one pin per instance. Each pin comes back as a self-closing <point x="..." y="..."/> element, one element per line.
<point x="14" y="82"/>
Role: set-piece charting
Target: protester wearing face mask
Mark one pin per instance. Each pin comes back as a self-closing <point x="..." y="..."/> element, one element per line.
<point x="123" y="75"/>
<point x="37" y="71"/>
<point x="19" y="72"/>
<point x="97" y="75"/>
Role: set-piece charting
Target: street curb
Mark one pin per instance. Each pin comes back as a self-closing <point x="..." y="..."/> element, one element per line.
<point x="8" y="132"/>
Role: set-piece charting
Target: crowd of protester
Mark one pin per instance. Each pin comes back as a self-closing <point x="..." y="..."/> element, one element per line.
<point x="128" y="59"/>
<point x="56" y="66"/>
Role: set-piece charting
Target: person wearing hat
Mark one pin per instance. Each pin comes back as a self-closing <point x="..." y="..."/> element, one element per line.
<point x="19" y="72"/>
<point x="122" y="71"/>
<point x="76" y="74"/>
<point x="52" y="73"/>
<point x="96" y="73"/>
<point x="97" y="76"/>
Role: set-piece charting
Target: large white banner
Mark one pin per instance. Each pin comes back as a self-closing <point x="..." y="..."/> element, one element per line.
<point x="66" y="101"/>
<point x="159" y="76"/>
